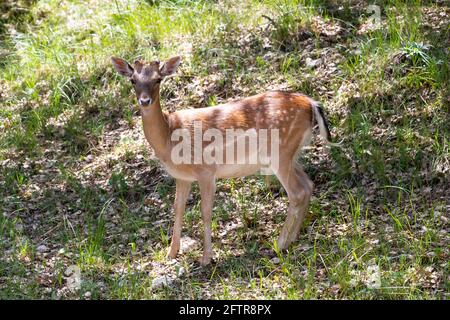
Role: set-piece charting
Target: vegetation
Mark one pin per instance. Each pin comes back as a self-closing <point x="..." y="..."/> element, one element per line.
<point x="80" y="188"/>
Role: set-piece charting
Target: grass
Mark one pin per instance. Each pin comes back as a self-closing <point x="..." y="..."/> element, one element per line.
<point x="79" y="186"/>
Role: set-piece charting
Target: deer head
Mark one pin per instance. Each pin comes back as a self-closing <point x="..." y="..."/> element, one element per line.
<point x="146" y="77"/>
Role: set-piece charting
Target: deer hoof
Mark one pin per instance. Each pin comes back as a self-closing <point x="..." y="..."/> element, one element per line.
<point x="282" y="243"/>
<point x="205" y="260"/>
<point x="172" y="253"/>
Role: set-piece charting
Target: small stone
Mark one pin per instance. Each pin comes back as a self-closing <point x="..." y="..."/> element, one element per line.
<point x="310" y="63"/>
<point x="181" y="271"/>
<point x="87" y="295"/>
<point x="162" y="281"/>
<point x="275" y="260"/>
<point x="41" y="248"/>
<point x="187" y="244"/>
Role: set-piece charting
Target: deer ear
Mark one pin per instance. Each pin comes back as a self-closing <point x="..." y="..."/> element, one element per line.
<point x="122" y="67"/>
<point x="170" y="66"/>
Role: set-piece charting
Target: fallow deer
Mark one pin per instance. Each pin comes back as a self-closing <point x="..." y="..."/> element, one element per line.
<point x="293" y="114"/>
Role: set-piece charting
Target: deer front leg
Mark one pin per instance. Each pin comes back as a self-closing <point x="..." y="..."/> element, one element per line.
<point x="182" y="192"/>
<point x="207" y="188"/>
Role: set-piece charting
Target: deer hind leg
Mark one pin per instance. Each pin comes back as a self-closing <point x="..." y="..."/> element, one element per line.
<point x="182" y="192"/>
<point x="299" y="189"/>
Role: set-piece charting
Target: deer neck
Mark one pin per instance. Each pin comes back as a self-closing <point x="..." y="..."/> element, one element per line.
<point x="156" y="129"/>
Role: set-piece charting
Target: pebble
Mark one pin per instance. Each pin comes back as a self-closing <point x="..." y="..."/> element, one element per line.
<point x="187" y="244"/>
<point x="275" y="260"/>
<point x="162" y="281"/>
<point x="181" y="271"/>
<point x="41" y="248"/>
<point x="310" y="63"/>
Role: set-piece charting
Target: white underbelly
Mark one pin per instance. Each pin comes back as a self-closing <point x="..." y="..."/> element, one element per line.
<point x="236" y="170"/>
<point x="219" y="171"/>
<point x="177" y="173"/>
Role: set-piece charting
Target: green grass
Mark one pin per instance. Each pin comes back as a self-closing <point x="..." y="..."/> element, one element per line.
<point x="76" y="174"/>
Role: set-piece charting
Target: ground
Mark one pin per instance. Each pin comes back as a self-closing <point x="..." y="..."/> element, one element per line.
<point x="83" y="197"/>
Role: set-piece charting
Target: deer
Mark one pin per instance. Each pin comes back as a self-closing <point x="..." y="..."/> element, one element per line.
<point x="294" y="115"/>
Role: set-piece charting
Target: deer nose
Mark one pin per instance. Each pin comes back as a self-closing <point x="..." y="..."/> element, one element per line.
<point x="145" y="101"/>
